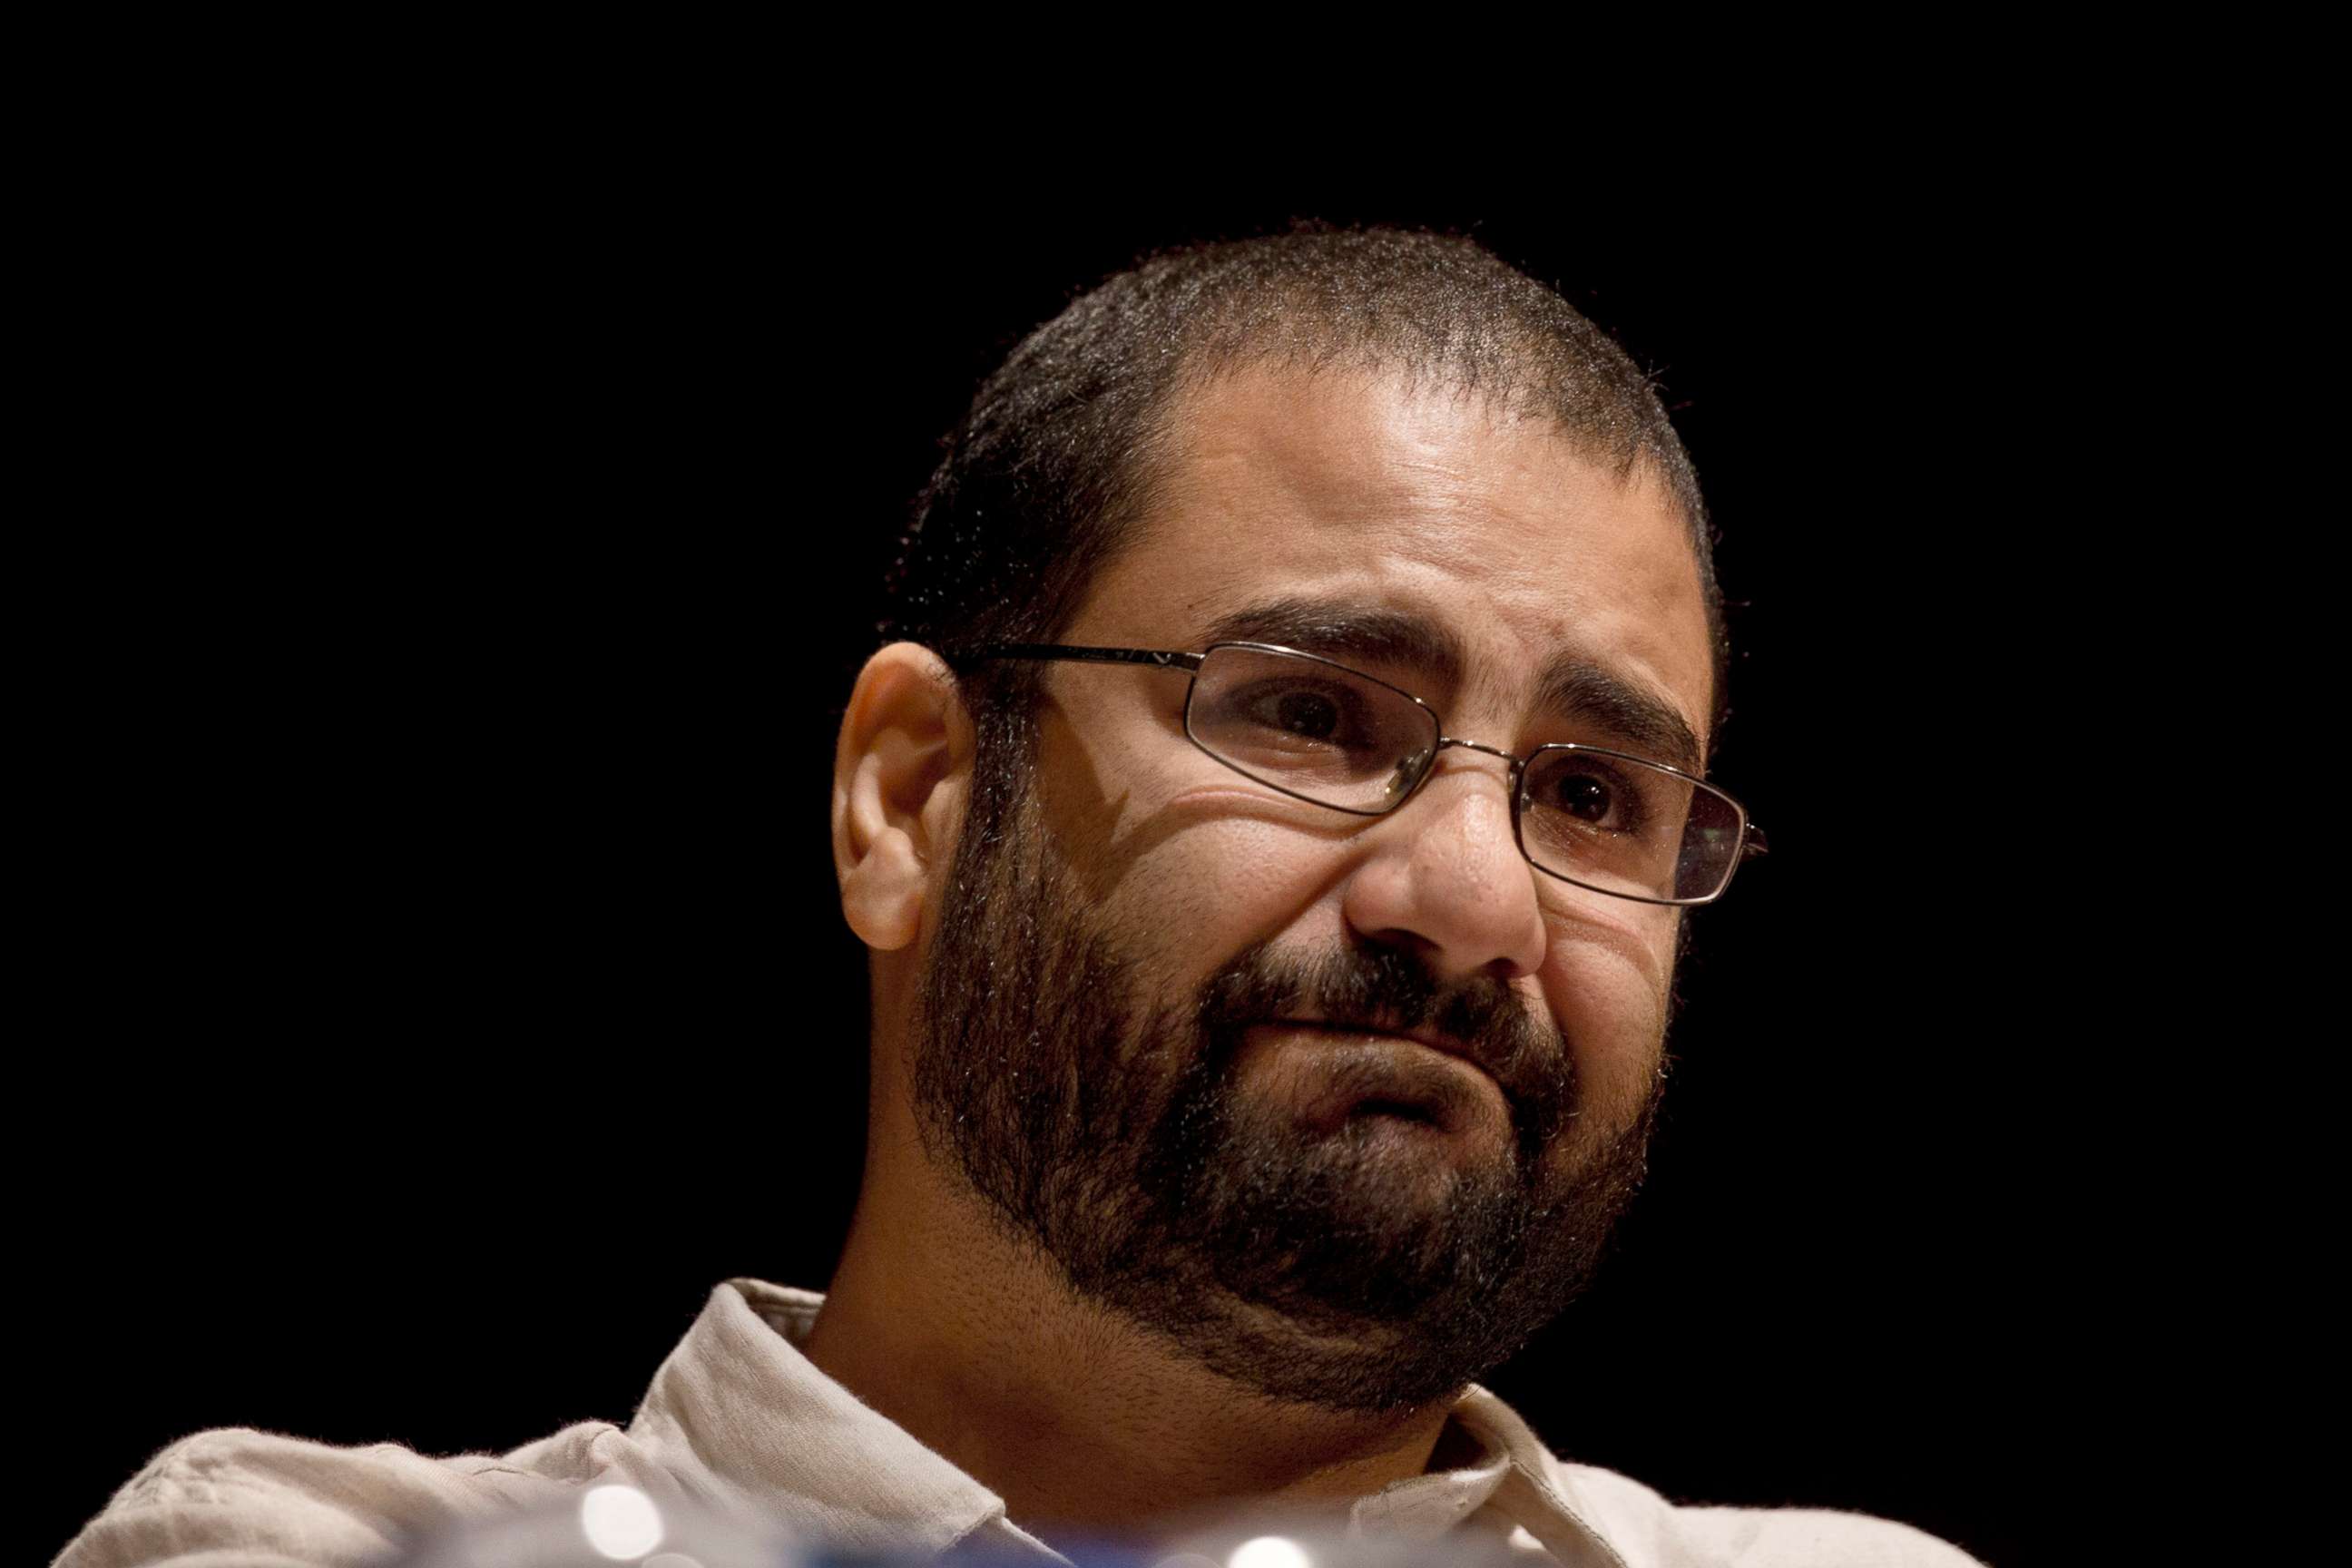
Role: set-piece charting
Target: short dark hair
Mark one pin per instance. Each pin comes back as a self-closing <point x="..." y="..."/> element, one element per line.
<point x="1048" y="473"/>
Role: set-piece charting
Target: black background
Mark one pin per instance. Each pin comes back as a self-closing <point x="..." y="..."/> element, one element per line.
<point x="453" y="986"/>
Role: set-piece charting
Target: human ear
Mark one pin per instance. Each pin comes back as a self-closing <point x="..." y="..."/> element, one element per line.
<point x="899" y="774"/>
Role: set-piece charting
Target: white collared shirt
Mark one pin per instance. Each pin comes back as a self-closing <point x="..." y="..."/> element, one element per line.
<point x="739" y="1423"/>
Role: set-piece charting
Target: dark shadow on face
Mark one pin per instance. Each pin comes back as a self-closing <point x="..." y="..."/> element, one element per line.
<point x="1109" y="1126"/>
<point x="1099" y="847"/>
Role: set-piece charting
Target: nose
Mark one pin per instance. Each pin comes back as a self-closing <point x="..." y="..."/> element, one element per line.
<point x="1442" y="876"/>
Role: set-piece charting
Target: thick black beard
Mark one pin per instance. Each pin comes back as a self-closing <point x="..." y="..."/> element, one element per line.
<point x="1110" y="1136"/>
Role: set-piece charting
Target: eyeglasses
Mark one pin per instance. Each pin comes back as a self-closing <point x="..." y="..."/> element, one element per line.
<point x="1320" y="732"/>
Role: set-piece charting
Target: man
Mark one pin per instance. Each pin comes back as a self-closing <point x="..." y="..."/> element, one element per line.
<point x="1274" y="826"/>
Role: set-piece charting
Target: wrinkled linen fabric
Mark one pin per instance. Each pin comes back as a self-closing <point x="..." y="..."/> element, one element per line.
<point x="739" y="1423"/>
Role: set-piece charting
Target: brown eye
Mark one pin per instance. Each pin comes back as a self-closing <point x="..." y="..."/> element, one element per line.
<point x="1307" y="714"/>
<point x="1593" y="793"/>
<point x="1318" y="713"/>
<point x="1587" y="798"/>
<point x="1310" y="728"/>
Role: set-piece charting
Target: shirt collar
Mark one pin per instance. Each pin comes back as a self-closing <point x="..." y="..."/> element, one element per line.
<point x="1508" y="1477"/>
<point x="741" y="1417"/>
<point x="739" y="1412"/>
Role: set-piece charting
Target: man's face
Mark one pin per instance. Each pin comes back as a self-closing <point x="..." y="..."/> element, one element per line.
<point x="1344" y="1106"/>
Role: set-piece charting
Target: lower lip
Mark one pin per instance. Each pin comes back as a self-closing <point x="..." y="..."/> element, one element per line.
<point x="1328" y="1100"/>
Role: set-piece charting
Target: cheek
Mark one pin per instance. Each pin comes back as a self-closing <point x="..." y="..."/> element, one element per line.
<point x="1609" y="986"/>
<point x="1252" y="870"/>
<point x="1218" y="883"/>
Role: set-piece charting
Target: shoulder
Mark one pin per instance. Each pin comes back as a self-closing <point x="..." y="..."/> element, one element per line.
<point x="275" y="1499"/>
<point x="1650" y="1530"/>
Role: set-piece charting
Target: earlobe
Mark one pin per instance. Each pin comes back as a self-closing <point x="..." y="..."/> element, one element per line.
<point x="899" y="775"/>
<point x="881" y="896"/>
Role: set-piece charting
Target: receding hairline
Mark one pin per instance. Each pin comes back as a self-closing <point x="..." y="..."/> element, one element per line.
<point x="1198" y="376"/>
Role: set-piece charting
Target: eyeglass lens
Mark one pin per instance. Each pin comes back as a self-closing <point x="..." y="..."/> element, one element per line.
<point x="1327" y="735"/>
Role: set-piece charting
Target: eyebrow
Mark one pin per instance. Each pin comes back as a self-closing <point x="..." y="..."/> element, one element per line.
<point x="1570" y="685"/>
<point x="1339" y="630"/>
<point x="1579" y="687"/>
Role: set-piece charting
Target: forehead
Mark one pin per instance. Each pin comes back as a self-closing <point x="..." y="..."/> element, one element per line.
<point x="1358" y="490"/>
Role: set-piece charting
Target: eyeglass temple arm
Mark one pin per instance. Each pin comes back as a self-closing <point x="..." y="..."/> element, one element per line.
<point x="1754" y="843"/>
<point x="1153" y="656"/>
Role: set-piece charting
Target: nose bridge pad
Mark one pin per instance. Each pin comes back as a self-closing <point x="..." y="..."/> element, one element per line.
<point x="1511" y="776"/>
<point x="1417" y="768"/>
<point x="1408" y="775"/>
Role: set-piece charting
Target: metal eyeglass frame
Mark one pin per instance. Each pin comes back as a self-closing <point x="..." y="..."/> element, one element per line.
<point x="1751" y="837"/>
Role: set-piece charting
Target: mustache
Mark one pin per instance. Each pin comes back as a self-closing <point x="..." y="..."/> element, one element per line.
<point x="1388" y="990"/>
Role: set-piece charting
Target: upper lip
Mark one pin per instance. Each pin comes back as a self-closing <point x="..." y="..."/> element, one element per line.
<point x="1423" y="1036"/>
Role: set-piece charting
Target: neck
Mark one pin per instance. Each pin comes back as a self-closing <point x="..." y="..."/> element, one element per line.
<point x="1079" y="1420"/>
